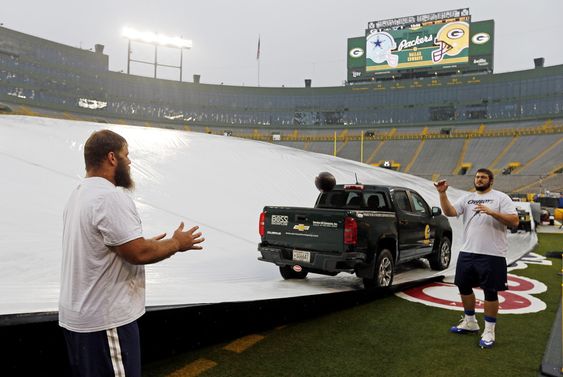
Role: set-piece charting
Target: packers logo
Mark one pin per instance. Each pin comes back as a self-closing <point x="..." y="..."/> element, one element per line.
<point x="480" y="38"/>
<point x="427" y="232"/>
<point x="356" y="52"/>
<point x="301" y="227"/>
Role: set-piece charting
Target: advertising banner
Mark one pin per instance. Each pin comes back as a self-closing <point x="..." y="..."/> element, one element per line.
<point x="421" y="45"/>
<point x="481" y="45"/>
<point x="356" y="59"/>
<point x="418" y="46"/>
<point x="401" y="22"/>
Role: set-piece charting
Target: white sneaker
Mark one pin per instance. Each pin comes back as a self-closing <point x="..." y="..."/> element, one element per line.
<point x="465" y="326"/>
<point x="487" y="339"/>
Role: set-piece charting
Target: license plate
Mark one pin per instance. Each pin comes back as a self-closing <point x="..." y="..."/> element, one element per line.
<point x="301" y="256"/>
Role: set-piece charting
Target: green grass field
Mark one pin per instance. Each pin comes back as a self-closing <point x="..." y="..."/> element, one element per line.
<point x="389" y="336"/>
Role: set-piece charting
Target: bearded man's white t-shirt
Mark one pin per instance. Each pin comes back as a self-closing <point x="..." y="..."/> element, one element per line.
<point x="99" y="289"/>
<point x="483" y="234"/>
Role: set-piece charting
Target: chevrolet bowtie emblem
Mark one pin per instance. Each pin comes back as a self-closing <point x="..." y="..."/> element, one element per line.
<point x="301" y="227"/>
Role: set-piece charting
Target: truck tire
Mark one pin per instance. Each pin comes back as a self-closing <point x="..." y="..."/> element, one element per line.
<point x="383" y="273"/>
<point x="441" y="257"/>
<point x="288" y="273"/>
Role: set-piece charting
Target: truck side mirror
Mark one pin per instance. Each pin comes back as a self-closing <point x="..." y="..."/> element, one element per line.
<point x="436" y="211"/>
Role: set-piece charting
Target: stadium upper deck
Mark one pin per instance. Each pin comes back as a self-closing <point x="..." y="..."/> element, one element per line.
<point x="50" y="75"/>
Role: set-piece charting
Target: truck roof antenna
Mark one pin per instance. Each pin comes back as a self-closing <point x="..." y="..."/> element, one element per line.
<point x="357" y="179"/>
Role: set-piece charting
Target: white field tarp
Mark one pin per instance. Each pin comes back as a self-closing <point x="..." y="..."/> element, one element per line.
<point x="220" y="183"/>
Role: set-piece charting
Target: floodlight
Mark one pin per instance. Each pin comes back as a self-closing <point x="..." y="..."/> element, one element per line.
<point x="156" y="40"/>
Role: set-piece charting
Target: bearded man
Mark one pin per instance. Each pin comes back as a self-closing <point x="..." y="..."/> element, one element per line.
<point x="482" y="259"/>
<point x="102" y="278"/>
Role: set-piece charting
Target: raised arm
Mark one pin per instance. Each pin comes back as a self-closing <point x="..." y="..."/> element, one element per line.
<point x="447" y="207"/>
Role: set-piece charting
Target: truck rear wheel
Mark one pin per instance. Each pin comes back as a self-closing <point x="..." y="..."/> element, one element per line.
<point x="440" y="258"/>
<point x="383" y="272"/>
<point x="287" y="272"/>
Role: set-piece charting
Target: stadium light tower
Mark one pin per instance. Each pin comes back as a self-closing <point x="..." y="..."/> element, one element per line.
<point x="156" y="40"/>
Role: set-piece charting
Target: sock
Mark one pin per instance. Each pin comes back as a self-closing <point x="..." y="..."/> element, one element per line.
<point x="470" y="315"/>
<point x="490" y="323"/>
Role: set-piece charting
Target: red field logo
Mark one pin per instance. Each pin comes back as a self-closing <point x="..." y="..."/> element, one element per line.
<point x="517" y="300"/>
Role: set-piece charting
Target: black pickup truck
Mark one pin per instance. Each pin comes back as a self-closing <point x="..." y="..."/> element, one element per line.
<point x="361" y="229"/>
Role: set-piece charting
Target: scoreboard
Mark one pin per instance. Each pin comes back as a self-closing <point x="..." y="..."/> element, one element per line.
<point x="425" y="44"/>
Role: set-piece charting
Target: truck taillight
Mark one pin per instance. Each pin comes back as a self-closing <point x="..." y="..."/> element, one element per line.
<point x="261" y="224"/>
<point x="350" y="231"/>
<point x="354" y="187"/>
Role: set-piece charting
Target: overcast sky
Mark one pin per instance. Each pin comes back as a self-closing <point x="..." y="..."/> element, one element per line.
<point x="299" y="38"/>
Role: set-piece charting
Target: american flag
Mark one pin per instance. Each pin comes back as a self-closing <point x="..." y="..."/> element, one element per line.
<point x="258" y="49"/>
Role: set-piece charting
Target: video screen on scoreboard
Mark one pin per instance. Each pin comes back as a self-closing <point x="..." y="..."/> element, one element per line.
<point x="433" y="44"/>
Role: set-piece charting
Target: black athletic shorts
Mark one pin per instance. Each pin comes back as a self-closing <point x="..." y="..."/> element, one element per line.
<point x="113" y="352"/>
<point x="478" y="270"/>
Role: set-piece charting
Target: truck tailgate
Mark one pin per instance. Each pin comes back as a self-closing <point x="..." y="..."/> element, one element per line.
<point x="305" y="228"/>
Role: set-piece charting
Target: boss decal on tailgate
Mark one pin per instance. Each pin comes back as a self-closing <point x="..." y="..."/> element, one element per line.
<point x="279" y="220"/>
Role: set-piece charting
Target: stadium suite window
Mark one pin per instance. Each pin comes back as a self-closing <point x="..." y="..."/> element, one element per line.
<point x="557" y="84"/>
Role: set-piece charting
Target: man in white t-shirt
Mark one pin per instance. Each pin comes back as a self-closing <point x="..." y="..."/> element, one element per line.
<point x="102" y="277"/>
<point x="486" y="213"/>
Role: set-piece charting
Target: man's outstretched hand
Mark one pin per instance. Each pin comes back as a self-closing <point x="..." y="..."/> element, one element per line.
<point x="188" y="240"/>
